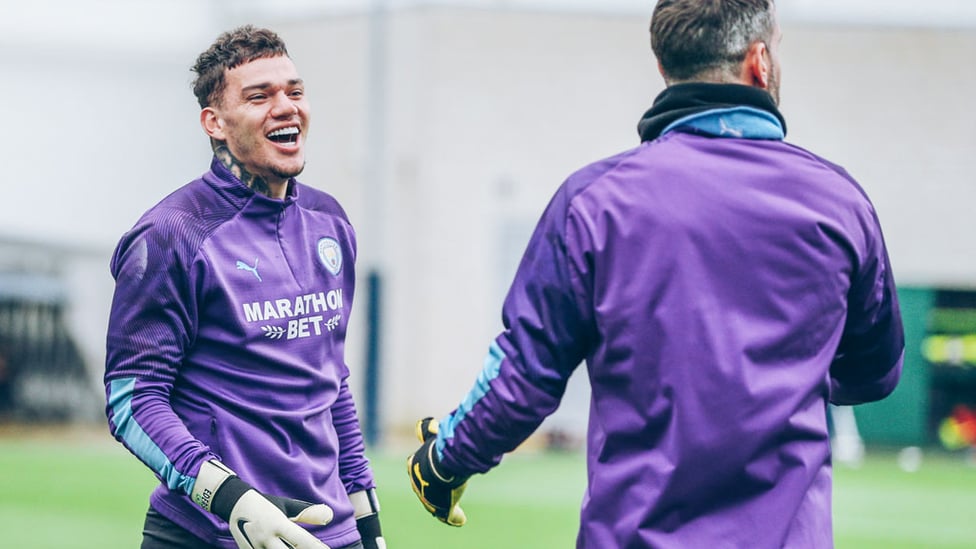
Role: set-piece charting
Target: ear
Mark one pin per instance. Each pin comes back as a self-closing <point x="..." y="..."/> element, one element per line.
<point x="756" y="67"/>
<point x="212" y="124"/>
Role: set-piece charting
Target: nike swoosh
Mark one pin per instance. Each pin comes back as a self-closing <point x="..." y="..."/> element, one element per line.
<point x="240" y="528"/>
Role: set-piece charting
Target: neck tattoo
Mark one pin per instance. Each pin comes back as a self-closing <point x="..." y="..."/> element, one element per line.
<point x="254" y="182"/>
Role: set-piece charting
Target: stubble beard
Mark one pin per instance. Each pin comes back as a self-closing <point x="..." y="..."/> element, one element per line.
<point x="255" y="182"/>
<point x="773" y="87"/>
<point x="287" y="174"/>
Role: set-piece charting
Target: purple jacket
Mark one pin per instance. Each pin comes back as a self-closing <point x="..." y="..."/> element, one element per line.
<point x="722" y="287"/>
<point x="226" y="340"/>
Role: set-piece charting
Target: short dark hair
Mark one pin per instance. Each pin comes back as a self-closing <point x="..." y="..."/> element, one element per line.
<point x="691" y="37"/>
<point x="232" y="49"/>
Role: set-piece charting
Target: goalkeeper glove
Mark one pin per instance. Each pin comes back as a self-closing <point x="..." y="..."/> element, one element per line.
<point x="366" y="508"/>
<point x="440" y="494"/>
<point x="256" y="520"/>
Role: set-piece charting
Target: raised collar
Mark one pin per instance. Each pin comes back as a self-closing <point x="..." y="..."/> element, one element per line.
<point x="730" y="110"/>
<point x="230" y="184"/>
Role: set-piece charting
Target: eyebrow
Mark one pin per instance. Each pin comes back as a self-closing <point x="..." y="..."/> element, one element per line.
<point x="266" y="85"/>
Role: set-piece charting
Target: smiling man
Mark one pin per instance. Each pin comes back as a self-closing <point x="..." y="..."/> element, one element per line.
<point x="259" y="122"/>
<point x="225" y="370"/>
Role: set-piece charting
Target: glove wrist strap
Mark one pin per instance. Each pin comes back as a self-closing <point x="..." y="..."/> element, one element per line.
<point x="453" y="481"/>
<point x="227" y="495"/>
<point x="369" y="528"/>
<point x="364" y="503"/>
<point x="210" y="478"/>
<point x="217" y="488"/>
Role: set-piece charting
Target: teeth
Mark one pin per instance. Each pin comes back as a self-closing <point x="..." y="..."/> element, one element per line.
<point x="284" y="131"/>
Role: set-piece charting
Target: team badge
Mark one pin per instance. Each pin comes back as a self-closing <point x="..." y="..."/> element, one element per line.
<point x="330" y="254"/>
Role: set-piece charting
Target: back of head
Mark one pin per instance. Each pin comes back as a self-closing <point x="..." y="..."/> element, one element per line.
<point x="232" y="49"/>
<point x="707" y="40"/>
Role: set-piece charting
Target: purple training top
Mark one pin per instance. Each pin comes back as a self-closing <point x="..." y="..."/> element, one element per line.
<point x="722" y="286"/>
<point x="226" y="341"/>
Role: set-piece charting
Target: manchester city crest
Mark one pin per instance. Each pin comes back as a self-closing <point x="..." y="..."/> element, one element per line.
<point x="330" y="254"/>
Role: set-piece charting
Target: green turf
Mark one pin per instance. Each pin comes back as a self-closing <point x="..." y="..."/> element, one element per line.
<point x="81" y="493"/>
<point x="881" y="506"/>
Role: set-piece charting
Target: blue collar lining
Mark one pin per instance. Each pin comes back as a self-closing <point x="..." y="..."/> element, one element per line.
<point x="737" y="122"/>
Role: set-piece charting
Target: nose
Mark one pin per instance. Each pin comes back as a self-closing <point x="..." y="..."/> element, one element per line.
<point x="283" y="105"/>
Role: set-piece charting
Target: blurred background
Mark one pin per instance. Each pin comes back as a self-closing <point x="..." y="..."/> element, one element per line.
<point x="443" y="127"/>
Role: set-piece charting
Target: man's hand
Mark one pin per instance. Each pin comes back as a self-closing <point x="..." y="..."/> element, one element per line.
<point x="257" y="521"/>
<point x="439" y="493"/>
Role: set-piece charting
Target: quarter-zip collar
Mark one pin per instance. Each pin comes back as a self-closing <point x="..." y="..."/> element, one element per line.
<point x="232" y="188"/>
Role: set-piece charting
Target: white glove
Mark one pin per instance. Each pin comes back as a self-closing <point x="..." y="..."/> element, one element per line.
<point x="366" y="508"/>
<point x="257" y="521"/>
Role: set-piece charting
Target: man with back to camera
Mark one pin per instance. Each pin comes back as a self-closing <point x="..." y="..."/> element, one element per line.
<point x="722" y="286"/>
<point x="225" y="369"/>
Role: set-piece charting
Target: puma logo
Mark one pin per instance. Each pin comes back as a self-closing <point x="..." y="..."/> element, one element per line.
<point x="728" y="130"/>
<point x="241" y="266"/>
<point x="420" y="479"/>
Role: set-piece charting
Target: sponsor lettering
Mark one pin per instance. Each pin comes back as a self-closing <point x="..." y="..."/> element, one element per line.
<point x="285" y="308"/>
<point x="307" y="315"/>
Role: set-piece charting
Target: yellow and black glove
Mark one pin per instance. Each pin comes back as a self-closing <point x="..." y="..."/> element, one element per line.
<point x="438" y="492"/>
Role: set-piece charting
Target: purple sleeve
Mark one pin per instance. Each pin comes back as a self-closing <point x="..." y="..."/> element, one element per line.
<point x="151" y="324"/>
<point x="546" y="334"/>
<point x="869" y="357"/>
<point x="354" y="468"/>
<point x="871" y="351"/>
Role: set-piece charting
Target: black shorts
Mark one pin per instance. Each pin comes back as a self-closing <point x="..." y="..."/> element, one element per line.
<point x="161" y="533"/>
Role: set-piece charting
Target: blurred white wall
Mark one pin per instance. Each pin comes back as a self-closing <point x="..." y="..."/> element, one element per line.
<point x="99" y="124"/>
<point x="895" y="107"/>
<point x="489" y="106"/>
